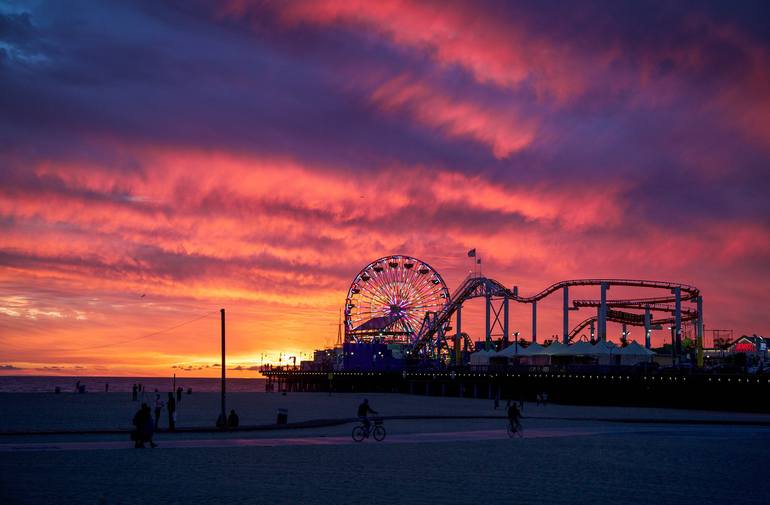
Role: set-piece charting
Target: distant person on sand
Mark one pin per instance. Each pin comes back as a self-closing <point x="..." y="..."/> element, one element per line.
<point x="106" y="387"/>
<point x="158" y="408"/>
<point x="363" y="413"/>
<point x="179" y="394"/>
<point x="233" y="420"/>
<point x="134" y="391"/>
<point x="143" y="427"/>
<point x="77" y="387"/>
<point x="171" y="407"/>
<point x="513" y="416"/>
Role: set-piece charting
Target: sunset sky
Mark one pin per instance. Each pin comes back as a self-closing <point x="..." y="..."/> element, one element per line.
<point x="160" y="160"/>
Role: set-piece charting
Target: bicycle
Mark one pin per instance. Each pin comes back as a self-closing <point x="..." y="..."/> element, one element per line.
<point x="515" y="429"/>
<point x="376" y="429"/>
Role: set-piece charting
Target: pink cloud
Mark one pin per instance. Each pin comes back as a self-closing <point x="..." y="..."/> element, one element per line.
<point x="494" y="49"/>
<point x="504" y="131"/>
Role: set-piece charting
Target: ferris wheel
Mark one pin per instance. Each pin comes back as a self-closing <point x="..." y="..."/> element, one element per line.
<point x="388" y="299"/>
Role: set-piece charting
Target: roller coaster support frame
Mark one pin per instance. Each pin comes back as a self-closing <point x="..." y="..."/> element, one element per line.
<point x="603" y="312"/>
<point x="534" y="322"/>
<point x="439" y="339"/>
<point x="505" y="320"/>
<point x="458" y="336"/>
<point x="647" y="329"/>
<point x="678" y="322"/>
<point x="699" y="330"/>
<point x="488" y="325"/>
<point x="565" y="325"/>
<point x="593" y="329"/>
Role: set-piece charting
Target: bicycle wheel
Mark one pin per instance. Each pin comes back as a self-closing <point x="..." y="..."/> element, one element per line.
<point x="379" y="433"/>
<point x="359" y="433"/>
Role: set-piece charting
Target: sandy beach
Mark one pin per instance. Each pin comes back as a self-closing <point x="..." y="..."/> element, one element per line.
<point x="112" y="411"/>
<point x="449" y="460"/>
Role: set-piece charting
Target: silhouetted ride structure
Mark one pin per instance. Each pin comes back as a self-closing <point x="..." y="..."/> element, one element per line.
<point x="403" y="333"/>
<point x="389" y="297"/>
<point x="401" y="299"/>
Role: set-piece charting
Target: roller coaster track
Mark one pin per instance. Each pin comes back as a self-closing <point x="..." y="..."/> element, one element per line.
<point x="652" y="303"/>
<point x="478" y="286"/>
<point x="688" y="292"/>
<point x="686" y="316"/>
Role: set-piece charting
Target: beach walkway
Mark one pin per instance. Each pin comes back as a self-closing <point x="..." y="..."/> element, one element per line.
<point x="600" y="429"/>
<point x="410" y="438"/>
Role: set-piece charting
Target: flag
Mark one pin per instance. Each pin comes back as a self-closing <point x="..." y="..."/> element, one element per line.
<point x="472" y="253"/>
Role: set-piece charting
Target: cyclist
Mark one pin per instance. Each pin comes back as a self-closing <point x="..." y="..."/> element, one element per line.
<point x="513" y="416"/>
<point x="363" y="411"/>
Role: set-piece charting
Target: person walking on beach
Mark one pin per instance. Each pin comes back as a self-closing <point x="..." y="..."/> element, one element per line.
<point x="134" y="391"/>
<point x="158" y="408"/>
<point x="171" y="407"/>
<point x="363" y="413"/>
<point x="233" y="420"/>
<point x="179" y="394"/>
<point x="513" y="417"/>
<point x="143" y="428"/>
<point x="106" y="387"/>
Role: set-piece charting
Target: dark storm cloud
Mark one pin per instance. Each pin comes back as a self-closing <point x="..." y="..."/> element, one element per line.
<point x="113" y="72"/>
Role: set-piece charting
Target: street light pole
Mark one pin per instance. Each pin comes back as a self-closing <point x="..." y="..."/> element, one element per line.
<point x="222" y="416"/>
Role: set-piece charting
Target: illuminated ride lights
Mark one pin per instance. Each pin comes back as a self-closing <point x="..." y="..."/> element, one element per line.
<point x="388" y="299"/>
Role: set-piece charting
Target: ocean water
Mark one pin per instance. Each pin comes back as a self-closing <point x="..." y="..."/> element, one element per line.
<point x="47" y="384"/>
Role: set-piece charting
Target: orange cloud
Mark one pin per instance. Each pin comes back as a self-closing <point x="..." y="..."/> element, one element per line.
<point x="276" y="242"/>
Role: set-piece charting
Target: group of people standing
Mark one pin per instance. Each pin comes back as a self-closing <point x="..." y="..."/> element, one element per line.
<point x="138" y="389"/>
<point x="145" y="424"/>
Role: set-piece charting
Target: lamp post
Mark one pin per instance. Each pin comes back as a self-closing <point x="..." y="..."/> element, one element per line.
<point x="222" y="421"/>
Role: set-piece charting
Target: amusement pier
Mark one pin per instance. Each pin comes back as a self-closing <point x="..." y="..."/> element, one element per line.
<point x="403" y="332"/>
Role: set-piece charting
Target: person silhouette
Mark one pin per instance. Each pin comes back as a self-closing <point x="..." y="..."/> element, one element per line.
<point x="171" y="407"/>
<point x="363" y="413"/>
<point x="158" y="408"/>
<point x="233" y="420"/>
<point x="143" y="424"/>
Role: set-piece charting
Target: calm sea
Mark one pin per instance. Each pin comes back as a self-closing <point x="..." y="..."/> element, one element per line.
<point x="47" y="384"/>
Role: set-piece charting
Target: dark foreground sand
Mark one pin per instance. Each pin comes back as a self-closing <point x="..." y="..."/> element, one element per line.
<point x="599" y="463"/>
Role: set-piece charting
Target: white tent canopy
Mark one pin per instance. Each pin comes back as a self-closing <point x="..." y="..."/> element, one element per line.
<point x="634" y="353"/>
<point x="581" y="348"/>
<point x="510" y="351"/>
<point x="555" y="348"/>
<point x="481" y="357"/>
<point x="604" y="352"/>
<point x="533" y="349"/>
<point x="514" y="350"/>
<point x="634" y="348"/>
